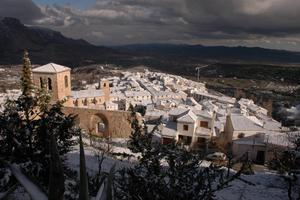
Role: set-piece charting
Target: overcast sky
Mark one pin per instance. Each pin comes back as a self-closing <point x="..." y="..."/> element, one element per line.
<point x="265" y="23"/>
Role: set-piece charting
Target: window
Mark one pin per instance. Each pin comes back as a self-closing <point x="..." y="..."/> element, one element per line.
<point x="41" y="82"/>
<point x="85" y="102"/>
<point x="66" y="81"/>
<point x="185" y="127"/>
<point x="204" y="124"/>
<point x="49" y="84"/>
<point x="104" y="84"/>
<point x="76" y="102"/>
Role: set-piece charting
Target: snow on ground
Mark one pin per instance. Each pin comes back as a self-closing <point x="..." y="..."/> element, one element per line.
<point x="10" y="94"/>
<point x="35" y="192"/>
<point x="267" y="186"/>
<point x="72" y="158"/>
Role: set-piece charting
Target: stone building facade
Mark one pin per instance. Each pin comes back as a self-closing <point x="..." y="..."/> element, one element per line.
<point x="94" y="110"/>
<point x="56" y="79"/>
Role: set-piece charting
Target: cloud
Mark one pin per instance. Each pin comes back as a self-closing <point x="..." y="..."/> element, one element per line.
<point x="24" y="10"/>
<point x="269" y="23"/>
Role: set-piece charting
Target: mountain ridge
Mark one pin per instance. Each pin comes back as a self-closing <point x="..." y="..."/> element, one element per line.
<point x="46" y="45"/>
<point x="223" y="53"/>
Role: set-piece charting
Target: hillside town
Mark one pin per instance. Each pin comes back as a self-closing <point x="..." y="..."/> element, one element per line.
<point x="149" y="100"/>
<point x="137" y="120"/>
<point x="187" y="111"/>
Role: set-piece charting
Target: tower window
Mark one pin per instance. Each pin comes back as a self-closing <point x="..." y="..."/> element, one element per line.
<point x="66" y="81"/>
<point x="85" y="102"/>
<point x="49" y="84"/>
<point x="104" y="84"/>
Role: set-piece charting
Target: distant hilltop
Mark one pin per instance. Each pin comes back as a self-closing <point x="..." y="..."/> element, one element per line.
<point x="46" y="45"/>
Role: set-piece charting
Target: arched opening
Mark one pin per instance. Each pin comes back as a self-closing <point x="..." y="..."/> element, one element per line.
<point x="99" y="125"/>
<point x="66" y="81"/>
<point x="49" y="84"/>
<point x="85" y="102"/>
<point x="76" y="103"/>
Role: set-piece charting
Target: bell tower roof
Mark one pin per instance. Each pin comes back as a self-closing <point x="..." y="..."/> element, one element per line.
<point x="51" y="68"/>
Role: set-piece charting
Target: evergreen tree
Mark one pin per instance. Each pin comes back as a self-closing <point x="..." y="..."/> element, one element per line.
<point x="26" y="80"/>
<point x="27" y="126"/>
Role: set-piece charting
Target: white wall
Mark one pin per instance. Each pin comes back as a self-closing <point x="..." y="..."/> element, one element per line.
<point x="189" y="132"/>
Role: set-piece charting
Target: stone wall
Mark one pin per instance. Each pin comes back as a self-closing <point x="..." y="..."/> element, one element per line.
<point x="117" y="122"/>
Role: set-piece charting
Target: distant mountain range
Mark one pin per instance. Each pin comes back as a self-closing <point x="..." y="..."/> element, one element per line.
<point x="46" y="45"/>
<point x="215" y="53"/>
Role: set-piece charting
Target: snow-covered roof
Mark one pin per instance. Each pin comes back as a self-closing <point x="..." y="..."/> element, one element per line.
<point x="136" y="93"/>
<point x="177" y="111"/>
<point x="242" y="123"/>
<point x="189" y="117"/>
<point x="269" y="123"/>
<point x="51" y="68"/>
<point x="255" y="120"/>
<point x="170" y="130"/>
<point x="272" y="125"/>
<point x="203" y="113"/>
<point x="262" y="139"/>
<point x="87" y="93"/>
<point x="279" y="139"/>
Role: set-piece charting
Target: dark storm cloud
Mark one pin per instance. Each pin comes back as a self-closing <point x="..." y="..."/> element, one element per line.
<point x="24" y="10"/>
<point x="249" y="22"/>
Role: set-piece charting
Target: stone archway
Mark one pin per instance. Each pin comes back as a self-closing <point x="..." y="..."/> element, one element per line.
<point x="99" y="125"/>
<point x="117" y="123"/>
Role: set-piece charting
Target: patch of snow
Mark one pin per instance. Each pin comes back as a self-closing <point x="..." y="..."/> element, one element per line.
<point x="31" y="188"/>
<point x="267" y="186"/>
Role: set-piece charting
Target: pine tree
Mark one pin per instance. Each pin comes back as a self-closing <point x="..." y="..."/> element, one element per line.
<point x="26" y="80"/>
<point x="26" y="100"/>
<point x="26" y="126"/>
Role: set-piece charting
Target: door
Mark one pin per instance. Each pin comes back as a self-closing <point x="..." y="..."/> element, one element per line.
<point x="260" y="157"/>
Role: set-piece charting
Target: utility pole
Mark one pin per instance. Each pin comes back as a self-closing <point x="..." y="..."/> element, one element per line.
<point x="198" y="71"/>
